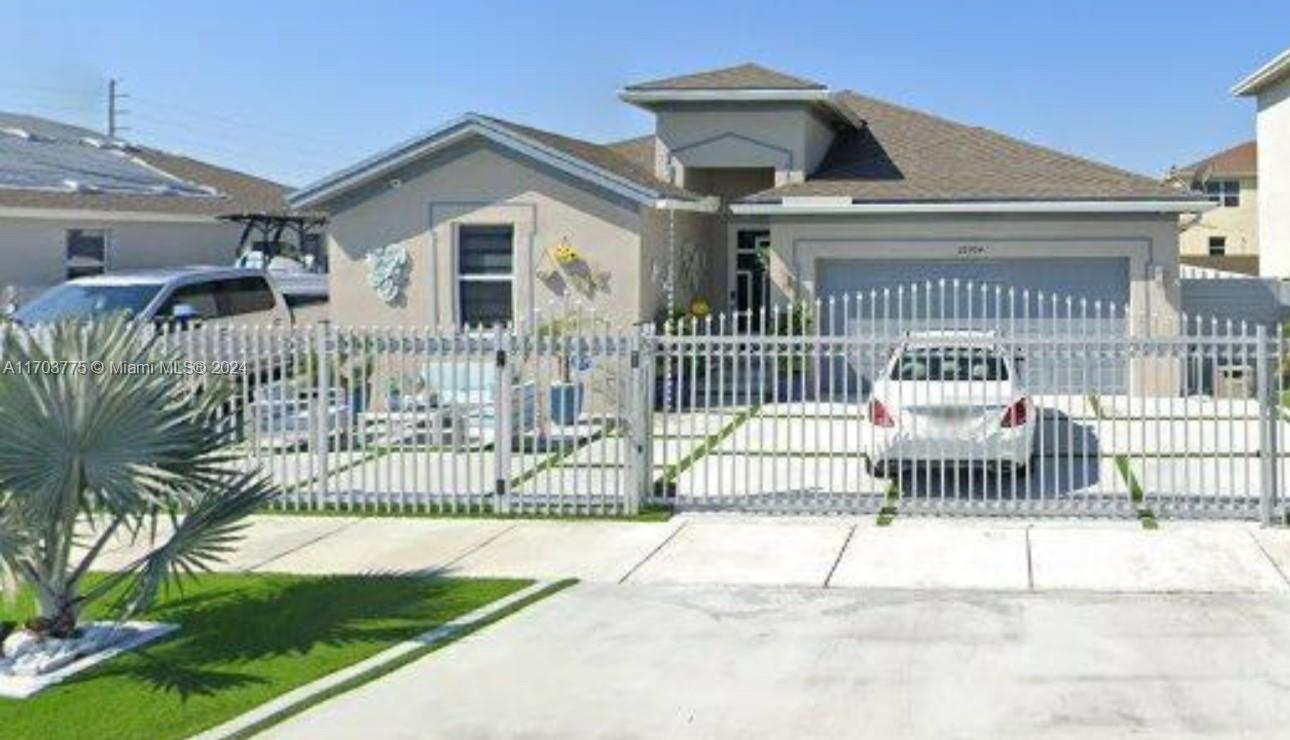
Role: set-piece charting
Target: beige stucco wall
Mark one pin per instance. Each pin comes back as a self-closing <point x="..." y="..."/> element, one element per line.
<point x="1239" y="225"/>
<point x="1273" y="124"/>
<point x="477" y="183"/>
<point x="789" y="137"/>
<point x="676" y="234"/>
<point x="33" y="252"/>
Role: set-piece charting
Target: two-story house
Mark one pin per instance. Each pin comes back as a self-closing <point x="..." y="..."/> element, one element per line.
<point x="1270" y="86"/>
<point x="1227" y="237"/>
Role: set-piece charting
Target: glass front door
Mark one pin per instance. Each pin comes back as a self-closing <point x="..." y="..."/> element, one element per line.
<point x="750" y="288"/>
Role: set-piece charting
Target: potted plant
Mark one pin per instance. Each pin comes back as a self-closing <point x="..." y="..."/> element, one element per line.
<point x="682" y="372"/>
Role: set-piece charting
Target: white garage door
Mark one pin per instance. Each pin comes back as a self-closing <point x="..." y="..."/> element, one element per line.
<point x="1105" y="280"/>
<point x="1034" y="297"/>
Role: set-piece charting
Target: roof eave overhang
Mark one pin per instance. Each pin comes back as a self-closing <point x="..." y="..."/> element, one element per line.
<point x="822" y="97"/>
<point x="709" y="204"/>
<point x="409" y="151"/>
<point x="103" y="214"/>
<point x="772" y="95"/>
<point x="826" y="206"/>
<point x="1264" y="76"/>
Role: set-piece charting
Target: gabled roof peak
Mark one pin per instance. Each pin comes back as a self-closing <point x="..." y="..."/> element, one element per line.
<point x="747" y="76"/>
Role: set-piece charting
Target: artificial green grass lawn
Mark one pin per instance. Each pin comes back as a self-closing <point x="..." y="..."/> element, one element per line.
<point x="243" y="639"/>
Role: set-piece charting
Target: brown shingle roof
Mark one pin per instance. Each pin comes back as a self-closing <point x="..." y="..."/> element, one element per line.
<point x="601" y="156"/>
<point x="233" y="191"/>
<point x="742" y="77"/>
<point x="1240" y="160"/>
<point x="905" y="155"/>
<point x="639" y="150"/>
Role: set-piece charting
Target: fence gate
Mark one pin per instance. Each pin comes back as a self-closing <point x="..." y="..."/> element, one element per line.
<point x="967" y="398"/>
<point x="933" y="398"/>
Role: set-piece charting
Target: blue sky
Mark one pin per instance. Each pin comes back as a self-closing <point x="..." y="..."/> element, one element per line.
<point x="293" y="90"/>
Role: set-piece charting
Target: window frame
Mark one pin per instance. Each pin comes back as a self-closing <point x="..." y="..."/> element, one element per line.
<point x="1221" y="245"/>
<point x="104" y="262"/>
<point x="1226" y="193"/>
<point x="460" y="277"/>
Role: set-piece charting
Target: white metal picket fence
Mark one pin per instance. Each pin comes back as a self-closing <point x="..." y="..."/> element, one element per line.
<point x="928" y="399"/>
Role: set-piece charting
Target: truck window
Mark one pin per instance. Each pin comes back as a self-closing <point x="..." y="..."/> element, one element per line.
<point x="201" y="296"/>
<point x="245" y="295"/>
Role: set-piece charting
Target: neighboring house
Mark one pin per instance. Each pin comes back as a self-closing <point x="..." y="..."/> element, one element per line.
<point x="754" y="186"/>
<point x="1227" y="237"/>
<point x="1270" y="85"/>
<point x="74" y="202"/>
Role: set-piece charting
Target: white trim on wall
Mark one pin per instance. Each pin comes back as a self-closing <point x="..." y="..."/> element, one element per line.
<point x="452" y="214"/>
<point x="844" y="206"/>
<point x="469" y="125"/>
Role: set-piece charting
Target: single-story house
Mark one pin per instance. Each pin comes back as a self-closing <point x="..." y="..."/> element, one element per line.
<point x="754" y="186"/>
<point x="74" y="202"/>
<point x="1269" y="85"/>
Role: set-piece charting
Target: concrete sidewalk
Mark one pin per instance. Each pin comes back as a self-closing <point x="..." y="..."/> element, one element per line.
<point x="953" y="554"/>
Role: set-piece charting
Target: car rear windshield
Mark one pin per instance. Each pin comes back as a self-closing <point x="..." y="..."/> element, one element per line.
<point x="949" y="364"/>
<point x="73" y="301"/>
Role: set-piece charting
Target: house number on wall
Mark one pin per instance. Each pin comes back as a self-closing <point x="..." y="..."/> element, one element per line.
<point x="972" y="250"/>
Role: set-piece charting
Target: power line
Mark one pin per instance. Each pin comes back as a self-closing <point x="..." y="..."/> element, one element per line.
<point x="200" y="142"/>
<point x="259" y="125"/>
<point x="279" y="140"/>
<point x="152" y="130"/>
<point x="46" y="90"/>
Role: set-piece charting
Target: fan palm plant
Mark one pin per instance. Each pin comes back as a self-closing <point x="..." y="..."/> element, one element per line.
<point x="89" y="453"/>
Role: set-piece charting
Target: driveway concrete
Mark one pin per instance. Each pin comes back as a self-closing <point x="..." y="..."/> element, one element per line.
<point x="931" y="553"/>
<point x="605" y="661"/>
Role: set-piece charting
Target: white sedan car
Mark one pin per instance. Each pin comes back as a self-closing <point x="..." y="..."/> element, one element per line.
<point x="952" y="399"/>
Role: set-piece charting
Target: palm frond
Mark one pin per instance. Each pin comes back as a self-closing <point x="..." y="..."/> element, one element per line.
<point x="129" y="448"/>
<point x="207" y="533"/>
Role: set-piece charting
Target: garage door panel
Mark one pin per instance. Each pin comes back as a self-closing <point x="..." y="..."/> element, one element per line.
<point x="1070" y="298"/>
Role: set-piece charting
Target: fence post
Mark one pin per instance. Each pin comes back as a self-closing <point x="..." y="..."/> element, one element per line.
<point x="502" y="427"/>
<point x="641" y="421"/>
<point x="322" y="409"/>
<point x="1269" y="413"/>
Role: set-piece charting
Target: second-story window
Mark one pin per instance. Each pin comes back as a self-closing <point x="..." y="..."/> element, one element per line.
<point x="1226" y="193"/>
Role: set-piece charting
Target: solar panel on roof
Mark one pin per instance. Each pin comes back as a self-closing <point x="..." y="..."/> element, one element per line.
<point x="42" y="155"/>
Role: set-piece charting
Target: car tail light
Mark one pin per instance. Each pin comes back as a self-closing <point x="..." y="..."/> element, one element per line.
<point x="1017" y="414"/>
<point x="879" y="415"/>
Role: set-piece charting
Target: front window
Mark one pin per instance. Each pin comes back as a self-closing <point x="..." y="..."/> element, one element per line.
<point x="485" y="274"/>
<point x="1226" y="193"/>
<point x="72" y="301"/>
<point x="949" y="364"/>
<point x="86" y="252"/>
<point x="1217" y="246"/>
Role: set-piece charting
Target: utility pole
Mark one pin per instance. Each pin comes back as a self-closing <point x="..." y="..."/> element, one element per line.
<point x="113" y="109"/>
